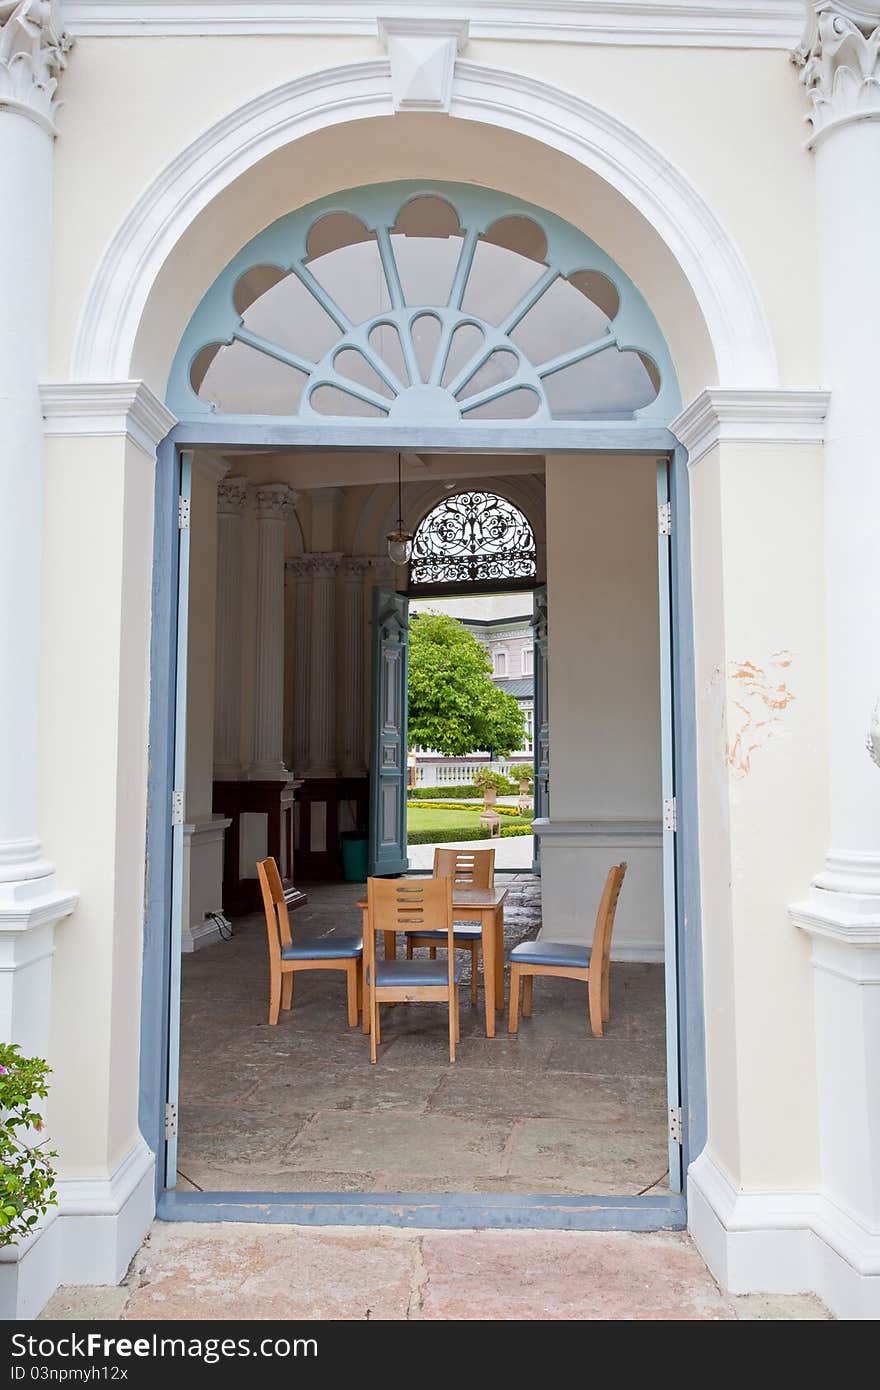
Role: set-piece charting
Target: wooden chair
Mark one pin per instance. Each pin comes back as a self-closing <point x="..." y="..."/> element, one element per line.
<point x="286" y="956"/>
<point x="564" y="958"/>
<point x="476" y="869"/>
<point x="404" y="905"/>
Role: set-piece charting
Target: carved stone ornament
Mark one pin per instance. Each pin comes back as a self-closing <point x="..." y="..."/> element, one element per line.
<point x="231" y="496"/>
<point x="872" y="742"/>
<point x="275" y="501"/>
<point x="422" y="51"/>
<point x="33" y="50"/>
<point x="839" y="58"/>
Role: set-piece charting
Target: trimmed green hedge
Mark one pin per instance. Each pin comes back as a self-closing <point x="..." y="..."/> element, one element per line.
<point x="467" y="806"/>
<point x="444" y="794"/>
<point x="507" y="830"/>
<point x="433" y="837"/>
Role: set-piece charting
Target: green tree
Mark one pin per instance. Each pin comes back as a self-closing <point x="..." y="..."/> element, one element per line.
<point x="454" y="706"/>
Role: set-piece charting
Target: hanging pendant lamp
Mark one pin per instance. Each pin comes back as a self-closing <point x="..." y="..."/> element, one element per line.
<point x="399" y="541"/>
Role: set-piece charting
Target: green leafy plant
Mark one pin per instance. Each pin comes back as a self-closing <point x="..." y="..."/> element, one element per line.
<point x="525" y="773"/>
<point x="27" y="1178"/>
<point x="484" y="778"/>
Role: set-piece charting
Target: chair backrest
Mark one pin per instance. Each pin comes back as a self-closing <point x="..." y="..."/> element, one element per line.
<point x="274" y="906"/>
<point x="474" y="867"/>
<point x="605" y="916"/>
<point x="409" y="905"/>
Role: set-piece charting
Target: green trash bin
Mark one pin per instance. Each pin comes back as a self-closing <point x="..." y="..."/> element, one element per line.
<point x="354" y="856"/>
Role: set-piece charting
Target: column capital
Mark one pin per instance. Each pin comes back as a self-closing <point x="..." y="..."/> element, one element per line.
<point x="354" y="567"/>
<point x="839" y="58"/>
<point x="323" y="563"/>
<point x="275" y="501"/>
<point x="33" y="50"/>
<point x="298" y="566"/>
<point x="232" y="496"/>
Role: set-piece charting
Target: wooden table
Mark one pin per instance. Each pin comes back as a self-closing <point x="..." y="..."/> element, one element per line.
<point x="486" y="906"/>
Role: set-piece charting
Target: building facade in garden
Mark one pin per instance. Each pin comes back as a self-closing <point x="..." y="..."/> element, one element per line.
<point x="614" y="264"/>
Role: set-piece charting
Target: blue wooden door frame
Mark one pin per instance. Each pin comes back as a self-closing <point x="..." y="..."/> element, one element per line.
<point x="428" y="1210"/>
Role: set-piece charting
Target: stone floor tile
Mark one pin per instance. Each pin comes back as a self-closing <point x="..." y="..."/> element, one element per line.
<point x="560" y="1096"/>
<point x="271" y="1272"/>
<point x="86" y="1303"/>
<point x="582" y="1155"/>
<point x="609" y="1056"/>
<point x="287" y="1180"/>
<point x="373" y="1089"/>
<point x="249" y="1144"/>
<point x="780" y="1307"/>
<point x="396" y="1142"/>
<point x="552" y="1275"/>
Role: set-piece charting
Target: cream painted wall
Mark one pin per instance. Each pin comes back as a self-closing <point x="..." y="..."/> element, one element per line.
<point x="758" y="598"/>
<point x="731" y="120"/>
<point x="97" y="572"/>
<point x="603" y="621"/>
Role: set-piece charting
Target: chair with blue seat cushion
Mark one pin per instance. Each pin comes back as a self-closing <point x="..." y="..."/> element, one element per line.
<point x="475" y="868"/>
<point x="286" y="956"/>
<point x="591" y="964"/>
<point x="410" y="905"/>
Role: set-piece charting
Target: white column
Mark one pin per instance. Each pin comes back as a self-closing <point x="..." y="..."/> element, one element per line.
<point x="275" y="502"/>
<point x="841" y="71"/>
<point x="352" y="762"/>
<point x="322" y="667"/>
<point x="32" y="52"/>
<point x="300" y="571"/>
<point x="231" y="499"/>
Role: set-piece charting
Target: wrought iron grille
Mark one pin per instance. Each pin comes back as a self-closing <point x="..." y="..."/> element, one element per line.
<point x="472" y="537"/>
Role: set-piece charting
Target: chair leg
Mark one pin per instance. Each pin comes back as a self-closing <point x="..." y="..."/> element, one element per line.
<point x="453" y="1003"/>
<point x="513" y="1016"/>
<point x="287" y="990"/>
<point x="457" y="1016"/>
<point x="365" y="995"/>
<point x="432" y="952"/>
<point x="528" y="984"/>
<point x="474" y="967"/>
<point x="352" y="992"/>
<point x="594" y="987"/>
<point x="409" y="948"/>
<point x="374" y="1022"/>
<point x="274" y="994"/>
<point x="606" y="992"/>
<point x="359" y="973"/>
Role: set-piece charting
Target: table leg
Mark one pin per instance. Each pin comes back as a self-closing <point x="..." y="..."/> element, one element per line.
<point x="498" y="943"/>
<point x="490" y="988"/>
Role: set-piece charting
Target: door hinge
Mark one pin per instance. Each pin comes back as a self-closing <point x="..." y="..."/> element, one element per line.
<point x="670" y="814"/>
<point x="170" y="1120"/>
<point x="177" y="808"/>
<point x="664" y="519"/>
<point x="675" y="1123"/>
<point x="183" y="513"/>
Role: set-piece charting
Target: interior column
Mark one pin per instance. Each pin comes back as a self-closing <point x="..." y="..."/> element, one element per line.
<point x="351" y="678"/>
<point x="231" y="500"/>
<point x="322" y="667"/>
<point x="274" y="504"/>
<point x="301" y="573"/>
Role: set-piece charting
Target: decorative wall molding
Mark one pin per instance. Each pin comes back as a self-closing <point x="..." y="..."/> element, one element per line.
<point x="422" y="52"/>
<point x="779" y="416"/>
<point x="106" y="408"/>
<point x="211" y="465"/>
<point x="689" y="23"/>
<point x="783" y="1242"/>
<point x="709" y="258"/>
<point x="33" y="51"/>
<point x="839" y="58"/>
<point x="607" y="834"/>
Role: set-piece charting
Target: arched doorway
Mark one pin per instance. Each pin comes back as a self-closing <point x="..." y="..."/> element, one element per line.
<point x="427" y="372"/>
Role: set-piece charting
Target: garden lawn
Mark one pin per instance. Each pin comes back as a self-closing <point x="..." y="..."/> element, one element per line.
<point x="434" y="824"/>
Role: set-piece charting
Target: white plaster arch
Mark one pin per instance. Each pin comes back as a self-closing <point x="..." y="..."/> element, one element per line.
<point x="710" y="260"/>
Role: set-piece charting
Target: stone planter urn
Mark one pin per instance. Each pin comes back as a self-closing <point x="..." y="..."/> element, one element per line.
<point x="490" y="796"/>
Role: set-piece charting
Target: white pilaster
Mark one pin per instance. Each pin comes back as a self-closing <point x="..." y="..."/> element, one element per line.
<point x="301" y="574"/>
<point x="231" y="499"/>
<point x="32" y="50"/>
<point x="275" y="503"/>
<point x="322" y="667"/>
<point x="351" y="667"/>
